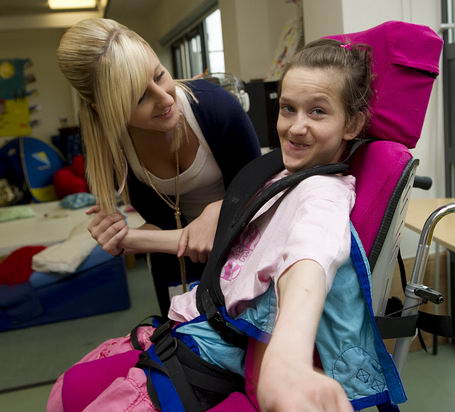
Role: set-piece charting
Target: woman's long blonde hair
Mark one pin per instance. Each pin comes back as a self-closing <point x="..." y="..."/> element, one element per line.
<point x="109" y="66"/>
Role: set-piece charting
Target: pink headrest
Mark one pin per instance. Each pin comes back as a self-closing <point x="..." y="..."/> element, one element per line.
<point x="405" y="62"/>
<point x="377" y="167"/>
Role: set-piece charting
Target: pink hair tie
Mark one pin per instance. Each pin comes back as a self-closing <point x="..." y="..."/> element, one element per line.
<point x="346" y="46"/>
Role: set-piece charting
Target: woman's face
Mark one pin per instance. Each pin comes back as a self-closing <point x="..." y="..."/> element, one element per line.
<point x="312" y="121"/>
<point x="156" y="110"/>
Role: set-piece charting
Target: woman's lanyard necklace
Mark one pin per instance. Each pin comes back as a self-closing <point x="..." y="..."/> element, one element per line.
<point x="173" y="205"/>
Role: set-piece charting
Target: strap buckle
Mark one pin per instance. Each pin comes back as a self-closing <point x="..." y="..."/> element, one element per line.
<point x="160" y="332"/>
<point x="165" y="344"/>
<point x="216" y="320"/>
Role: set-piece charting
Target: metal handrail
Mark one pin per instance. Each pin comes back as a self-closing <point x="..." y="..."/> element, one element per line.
<point x="412" y="300"/>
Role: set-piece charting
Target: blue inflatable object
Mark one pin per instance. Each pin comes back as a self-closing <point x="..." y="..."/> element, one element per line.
<point x="28" y="162"/>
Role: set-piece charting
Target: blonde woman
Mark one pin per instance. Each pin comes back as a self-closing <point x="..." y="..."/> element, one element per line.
<point x="169" y="148"/>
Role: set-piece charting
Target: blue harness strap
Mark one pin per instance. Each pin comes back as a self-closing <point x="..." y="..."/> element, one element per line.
<point x="395" y="388"/>
<point x="168" y="396"/>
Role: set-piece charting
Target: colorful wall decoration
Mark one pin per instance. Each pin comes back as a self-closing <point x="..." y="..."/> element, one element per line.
<point x="14" y="106"/>
<point x="290" y="40"/>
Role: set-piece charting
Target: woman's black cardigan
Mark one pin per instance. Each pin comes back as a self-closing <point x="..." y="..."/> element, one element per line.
<point x="233" y="142"/>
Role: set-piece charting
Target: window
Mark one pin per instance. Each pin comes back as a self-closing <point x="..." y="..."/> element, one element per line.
<point x="200" y="49"/>
<point x="214" y="37"/>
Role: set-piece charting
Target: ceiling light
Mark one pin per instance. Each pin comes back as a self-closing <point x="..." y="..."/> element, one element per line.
<point x="72" y="4"/>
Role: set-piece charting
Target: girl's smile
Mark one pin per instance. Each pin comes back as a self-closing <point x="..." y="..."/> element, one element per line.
<point x="312" y="121"/>
<point x="297" y="146"/>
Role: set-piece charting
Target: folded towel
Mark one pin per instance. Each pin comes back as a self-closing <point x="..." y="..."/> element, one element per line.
<point x="96" y="257"/>
<point x="65" y="257"/>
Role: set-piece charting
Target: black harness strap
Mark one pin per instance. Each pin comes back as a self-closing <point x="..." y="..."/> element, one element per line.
<point x="133" y="335"/>
<point x="240" y="219"/>
<point x="396" y="327"/>
<point x="208" y="376"/>
<point x="440" y="325"/>
<point x="146" y="363"/>
<point x="211" y="383"/>
<point x="238" y="209"/>
<point x="227" y="332"/>
<point x="166" y="349"/>
<point x="187" y="370"/>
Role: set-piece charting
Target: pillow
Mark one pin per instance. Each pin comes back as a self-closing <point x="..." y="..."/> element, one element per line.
<point x="66" y="182"/>
<point x="77" y="166"/>
<point x="15" y="212"/>
<point x="77" y="201"/>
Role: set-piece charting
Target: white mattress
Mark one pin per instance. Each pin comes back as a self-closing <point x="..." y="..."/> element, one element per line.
<point x="51" y="224"/>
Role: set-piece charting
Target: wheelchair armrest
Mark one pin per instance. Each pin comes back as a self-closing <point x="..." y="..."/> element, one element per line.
<point x="423" y="182"/>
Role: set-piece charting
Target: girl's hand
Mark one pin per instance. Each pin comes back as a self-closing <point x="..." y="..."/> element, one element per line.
<point x="286" y="386"/>
<point x="108" y="230"/>
<point x="287" y="379"/>
<point x="197" y="238"/>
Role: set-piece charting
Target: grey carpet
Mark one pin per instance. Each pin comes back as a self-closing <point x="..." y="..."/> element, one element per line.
<point x="39" y="354"/>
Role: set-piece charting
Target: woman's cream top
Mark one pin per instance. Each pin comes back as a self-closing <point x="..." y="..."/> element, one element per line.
<point x="200" y="184"/>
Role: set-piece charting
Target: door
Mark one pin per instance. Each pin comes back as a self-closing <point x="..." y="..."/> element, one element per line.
<point x="448" y="72"/>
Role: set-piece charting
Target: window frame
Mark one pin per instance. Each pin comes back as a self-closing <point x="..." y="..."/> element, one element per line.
<point x="185" y="69"/>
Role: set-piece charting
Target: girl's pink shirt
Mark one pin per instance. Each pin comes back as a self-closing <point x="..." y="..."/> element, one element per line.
<point x="311" y="222"/>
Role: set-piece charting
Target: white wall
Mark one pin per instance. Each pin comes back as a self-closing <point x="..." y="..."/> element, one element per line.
<point x="251" y="30"/>
<point x="356" y="15"/>
<point x="251" y="33"/>
<point x="321" y="18"/>
<point x="152" y="24"/>
<point x="54" y="92"/>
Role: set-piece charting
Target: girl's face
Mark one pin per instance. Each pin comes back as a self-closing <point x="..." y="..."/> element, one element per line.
<point x="312" y="121"/>
<point x="156" y="110"/>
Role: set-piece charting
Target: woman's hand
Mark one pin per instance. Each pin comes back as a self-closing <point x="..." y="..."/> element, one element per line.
<point x="108" y="230"/>
<point x="286" y="386"/>
<point x="197" y="238"/>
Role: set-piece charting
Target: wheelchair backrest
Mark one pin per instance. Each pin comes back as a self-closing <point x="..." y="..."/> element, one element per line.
<point x="405" y="62"/>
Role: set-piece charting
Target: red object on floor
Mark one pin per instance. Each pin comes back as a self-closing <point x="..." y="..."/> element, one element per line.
<point x="17" y="267"/>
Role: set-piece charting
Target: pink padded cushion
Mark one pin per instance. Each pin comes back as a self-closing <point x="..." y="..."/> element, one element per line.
<point x="84" y="382"/>
<point x="377" y="167"/>
<point x="405" y="62"/>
